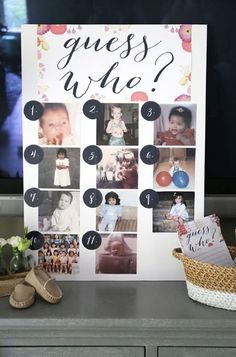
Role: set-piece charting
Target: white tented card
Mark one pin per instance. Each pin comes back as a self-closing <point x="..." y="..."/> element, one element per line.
<point x="202" y="240"/>
<point x="113" y="141"/>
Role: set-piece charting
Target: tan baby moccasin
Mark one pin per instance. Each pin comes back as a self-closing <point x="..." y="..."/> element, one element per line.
<point x="44" y="285"/>
<point x="23" y="296"/>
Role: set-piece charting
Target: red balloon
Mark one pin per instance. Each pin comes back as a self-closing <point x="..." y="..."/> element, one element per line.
<point x="163" y="178"/>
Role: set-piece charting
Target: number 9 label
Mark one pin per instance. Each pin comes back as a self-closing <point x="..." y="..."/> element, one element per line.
<point x="149" y="198"/>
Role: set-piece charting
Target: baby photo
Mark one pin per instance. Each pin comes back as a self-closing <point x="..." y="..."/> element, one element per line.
<point x="176" y="125"/>
<point x="118" y="168"/>
<point x="173" y="209"/>
<point x="60" y="168"/>
<point x="175" y="169"/>
<point x="59" y="124"/>
<point x="59" y="212"/>
<point x="118" y="124"/>
<point x="117" y="254"/>
<point x="118" y="211"/>
<point x="60" y="254"/>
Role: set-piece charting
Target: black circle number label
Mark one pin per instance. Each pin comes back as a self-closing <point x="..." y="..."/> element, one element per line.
<point x="150" y="111"/>
<point x="33" y="154"/>
<point x="37" y="240"/>
<point x="92" y="197"/>
<point x="92" y="155"/>
<point x="33" y="110"/>
<point x="33" y="197"/>
<point x="149" y="198"/>
<point x="92" y="109"/>
<point x="149" y="154"/>
<point x="91" y="240"/>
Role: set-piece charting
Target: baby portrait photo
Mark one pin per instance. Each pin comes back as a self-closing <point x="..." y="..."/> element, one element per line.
<point x="59" y="124"/>
<point x="60" y="168"/>
<point x="176" y="125"/>
<point x="117" y="254"/>
<point x="172" y="209"/>
<point x="118" y="211"/>
<point x="59" y="212"/>
<point x="118" y="168"/>
<point x="175" y="169"/>
<point x="60" y="254"/>
<point x="118" y="124"/>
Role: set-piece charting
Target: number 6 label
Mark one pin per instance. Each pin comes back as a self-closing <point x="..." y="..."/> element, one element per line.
<point x="149" y="154"/>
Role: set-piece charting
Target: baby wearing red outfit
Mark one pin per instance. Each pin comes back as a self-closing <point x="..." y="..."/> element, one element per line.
<point x="179" y="132"/>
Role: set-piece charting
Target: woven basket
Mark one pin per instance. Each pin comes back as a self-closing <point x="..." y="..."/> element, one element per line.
<point x="8" y="283"/>
<point x="210" y="284"/>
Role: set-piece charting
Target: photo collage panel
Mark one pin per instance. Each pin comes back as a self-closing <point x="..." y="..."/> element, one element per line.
<point x="111" y="152"/>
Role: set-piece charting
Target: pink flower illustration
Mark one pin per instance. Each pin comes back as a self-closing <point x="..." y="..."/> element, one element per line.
<point x="39" y="54"/>
<point x="139" y="96"/>
<point x="183" y="98"/>
<point x="55" y="29"/>
<point x="182" y="229"/>
<point x="42" y="29"/>
<point x="185" y="33"/>
<point x="58" y="29"/>
<point x="187" y="46"/>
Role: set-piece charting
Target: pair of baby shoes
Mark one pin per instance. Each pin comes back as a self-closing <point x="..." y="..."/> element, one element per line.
<point x="36" y="281"/>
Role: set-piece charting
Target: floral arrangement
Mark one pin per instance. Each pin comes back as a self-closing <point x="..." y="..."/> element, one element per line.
<point x="2" y="243"/>
<point x="20" y="244"/>
<point x="19" y="262"/>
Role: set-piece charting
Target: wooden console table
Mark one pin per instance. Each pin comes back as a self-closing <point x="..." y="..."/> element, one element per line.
<point x="118" y="319"/>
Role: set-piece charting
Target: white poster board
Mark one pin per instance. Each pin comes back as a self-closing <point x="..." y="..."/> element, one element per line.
<point x="126" y="104"/>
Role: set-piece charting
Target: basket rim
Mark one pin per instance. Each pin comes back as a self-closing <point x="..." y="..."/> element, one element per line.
<point x="178" y="254"/>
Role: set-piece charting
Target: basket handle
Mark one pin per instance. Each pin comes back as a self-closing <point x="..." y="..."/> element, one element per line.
<point x="177" y="253"/>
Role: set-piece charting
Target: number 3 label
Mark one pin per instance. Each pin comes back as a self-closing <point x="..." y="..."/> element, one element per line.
<point x="150" y="111"/>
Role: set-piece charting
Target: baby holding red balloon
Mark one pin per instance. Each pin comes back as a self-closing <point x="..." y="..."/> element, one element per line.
<point x="176" y="174"/>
